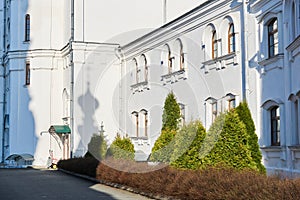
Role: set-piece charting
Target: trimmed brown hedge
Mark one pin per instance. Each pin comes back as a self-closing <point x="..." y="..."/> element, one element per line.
<point x="85" y="166"/>
<point x="211" y="183"/>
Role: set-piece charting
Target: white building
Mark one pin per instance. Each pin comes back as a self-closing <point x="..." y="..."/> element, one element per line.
<point x="80" y="63"/>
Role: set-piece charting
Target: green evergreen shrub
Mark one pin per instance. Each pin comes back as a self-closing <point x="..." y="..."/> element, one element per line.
<point x="245" y="116"/>
<point x="188" y="142"/>
<point x="228" y="140"/>
<point x="121" y="148"/>
<point x="97" y="147"/>
<point x="171" y="114"/>
<point x="163" y="146"/>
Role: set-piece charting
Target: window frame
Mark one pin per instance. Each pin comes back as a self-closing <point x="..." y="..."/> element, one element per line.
<point x="214" y="110"/>
<point x="27" y="74"/>
<point x="145" y="123"/>
<point x="182" y="113"/>
<point x="231" y="103"/>
<point x="137" y="70"/>
<point x="214" y="44"/>
<point x="275" y="125"/>
<point x="231" y="38"/>
<point x="272" y="35"/>
<point x="27" y="28"/>
<point x="145" y="66"/>
<point x="136" y="115"/>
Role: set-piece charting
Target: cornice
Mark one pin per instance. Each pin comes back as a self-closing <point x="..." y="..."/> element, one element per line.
<point x="178" y="27"/>
<point x="295" y="44"/>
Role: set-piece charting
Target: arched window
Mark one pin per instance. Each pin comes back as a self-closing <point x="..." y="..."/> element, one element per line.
<point x="273" y="37"/>
<point x="214" y="110"/>
<point x="231" y="38"/>
<point x="166" y="60"/>
<point x="27" y="27"/>
<point x="144" y="123"/>
<point x="275" y="126"/>
<point x="179" y="55"/>
<point x="144" y="66"/>
<point x="137" y="70"/>
<point x="182" y="114"/>
<point x="214" y="45"/>
<point x="135" y="119"/>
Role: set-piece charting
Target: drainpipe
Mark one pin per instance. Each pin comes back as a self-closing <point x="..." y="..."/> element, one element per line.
<point x="243" y="49"/>
<point x="122" y="120"/>
<point x="164" y="12"/>
<point x="4" y="81"/>
<point x="72" y="80"/>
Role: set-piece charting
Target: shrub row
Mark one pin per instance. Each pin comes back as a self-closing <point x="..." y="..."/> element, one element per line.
<point x="85" y="166"/>
<point x="211" y="183"/>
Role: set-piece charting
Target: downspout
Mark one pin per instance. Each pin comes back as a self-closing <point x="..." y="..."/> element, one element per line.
<point x="122" y="120"/>
<point x="243" y="50"/>
<point x="72" y="80"/>
<point x="4" y="80"/>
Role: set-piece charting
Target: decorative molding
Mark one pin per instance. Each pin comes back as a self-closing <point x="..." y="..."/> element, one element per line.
<point x="293" y="49"/>
<point x="186" y="23"/>
<point x="140" y="87"/>
<point x="174" y="77"/>
<point x="220" y="62"/>
<point x="140" y="141"/>
<point x="280" y="150"/>
<point x="270" y="103"/>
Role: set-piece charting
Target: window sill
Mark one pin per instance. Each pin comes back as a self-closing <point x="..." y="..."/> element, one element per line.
<point x="139" y="138"/>
<point x="274" y="152"/>
<point x="271" y="60"/>
<point x="294" y="147"/>
<point x="220" y="62"/>
<point x="140" y="141"/>
<point x="140" y="87"/>
<point x="272" y="148"/>
<point x="174" y="76"/>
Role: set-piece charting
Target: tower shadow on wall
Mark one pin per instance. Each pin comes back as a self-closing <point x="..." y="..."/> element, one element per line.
<point x="88" y="104"/>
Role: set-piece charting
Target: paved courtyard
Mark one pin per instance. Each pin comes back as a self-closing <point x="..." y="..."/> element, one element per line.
<point x="33" y="184"/>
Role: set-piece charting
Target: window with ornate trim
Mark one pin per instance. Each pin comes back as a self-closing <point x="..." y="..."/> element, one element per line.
<point x="144" y="123"/>
<point x="135" y="119"/>
<point x="231" y="38"/>
<point x="293" y="26"/>
<point x="182" y="113"/>
<point x="214" y="111"/>
<point x="296" y="120"/>
<point x="27" y="74"/>
<point x="167" y="57"/>
<point x="180" y="54"/>
<point x="273" y="37"/>
<point x="231" y="104"/>
<point x="275" y="126"/>
<point x="214" y="45"/>
<point x="145" y="67"/>
<point x="27" y="27"/>
<point x="137" y="70"/>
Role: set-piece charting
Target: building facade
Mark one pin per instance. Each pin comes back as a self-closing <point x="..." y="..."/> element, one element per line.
<point x="85" y="63"/>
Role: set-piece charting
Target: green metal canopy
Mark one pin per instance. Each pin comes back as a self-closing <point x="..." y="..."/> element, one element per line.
<point x="60" y="129"/>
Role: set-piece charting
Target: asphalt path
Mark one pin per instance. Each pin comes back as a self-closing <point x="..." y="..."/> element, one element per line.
<point x="34" y="184"/>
